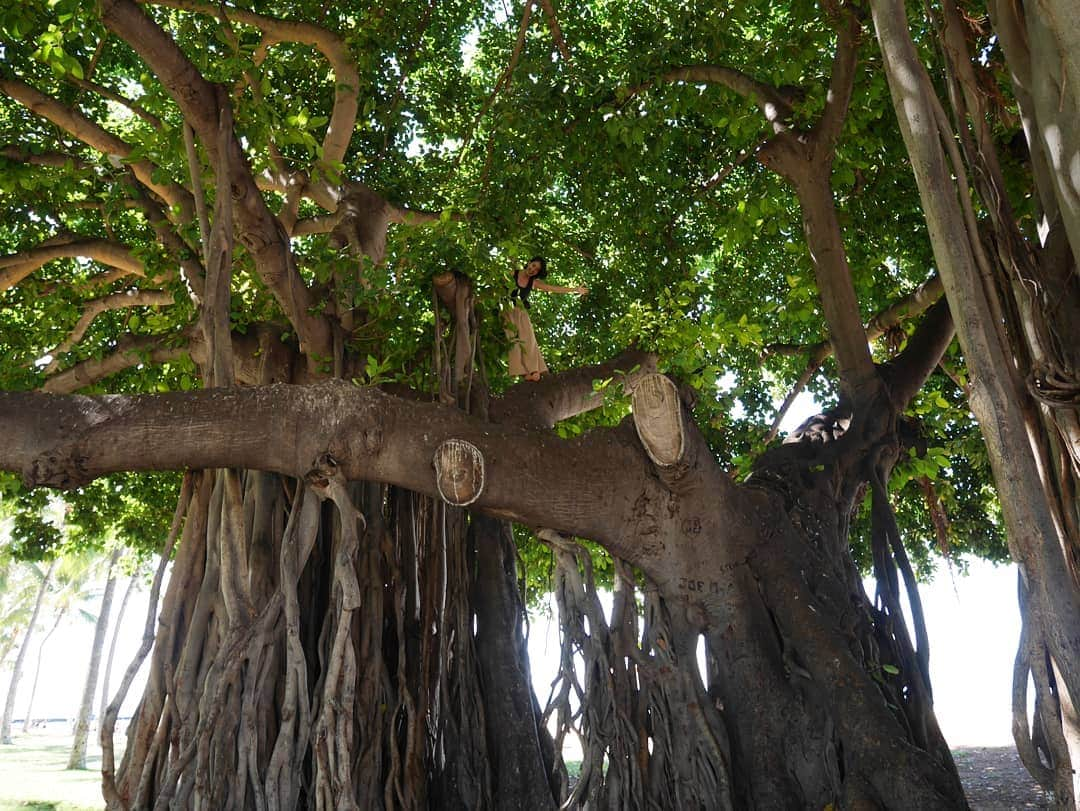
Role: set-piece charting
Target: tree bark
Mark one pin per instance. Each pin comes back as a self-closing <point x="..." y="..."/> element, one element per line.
<point x="515" y="736"/>
<point x="77" y="758"/>
<point x="16" y="672"/>
<point x="1038" y="531"/>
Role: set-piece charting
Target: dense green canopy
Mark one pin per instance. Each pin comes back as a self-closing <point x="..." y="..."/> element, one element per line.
<point x="496" y="135"/>
<point x="204" y="201"/>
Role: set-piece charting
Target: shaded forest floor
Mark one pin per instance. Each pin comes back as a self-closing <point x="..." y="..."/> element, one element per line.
<point x="995" y="779"/>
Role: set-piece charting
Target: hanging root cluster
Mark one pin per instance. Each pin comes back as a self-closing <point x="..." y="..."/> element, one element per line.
<point x="650" y="735"/>
<point x="315" y="650"/>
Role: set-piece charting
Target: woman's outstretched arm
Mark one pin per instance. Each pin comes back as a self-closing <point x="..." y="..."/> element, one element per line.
<point x="554" y="288"/>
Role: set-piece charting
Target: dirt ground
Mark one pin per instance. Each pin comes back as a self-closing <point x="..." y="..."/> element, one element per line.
<point x="995" y="780"/>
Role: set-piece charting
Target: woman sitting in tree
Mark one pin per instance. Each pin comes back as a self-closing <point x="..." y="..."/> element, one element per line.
<point x="525" y="358"/>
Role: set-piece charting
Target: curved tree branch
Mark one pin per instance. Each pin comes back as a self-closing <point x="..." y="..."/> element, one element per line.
<point x="333" y="47"/>
<point x="132" y="352"/>
<point x="191" y="271"/>
<point x="104" y="92"/>
<point x="561" y="396"/>
<point x="16" y="267"/>
<point x="916" y="302"/>
<point x="905" y="374"/>
<point x="95" y="136"/>
<point x="258" y="229"/>
<point x="842" y="79"/>
<point x="259" y="358"/>
<point x="94" y="308"/>
<point x="556" y="30"/>
<point x="59" y="160"/>
<point x="770" y="100"/>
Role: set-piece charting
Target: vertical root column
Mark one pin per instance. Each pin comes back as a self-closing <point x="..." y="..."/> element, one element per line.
<point x="1042" y="744"/>
<point x="650" y="736"/>
<point x="201" y="734"/>
<point x="333" y="734"/>
<point x="303" y="661"/>
<point x="281" y="786"/>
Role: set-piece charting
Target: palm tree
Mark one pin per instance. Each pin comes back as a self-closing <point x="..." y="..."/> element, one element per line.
<point x="71" y="589"/>
<point x="28" y="715"/>
<point x="77" y="759"/>
<point x="16" y="673"/>
<point x="17" y="589"/>
<point x="117" y="627"/>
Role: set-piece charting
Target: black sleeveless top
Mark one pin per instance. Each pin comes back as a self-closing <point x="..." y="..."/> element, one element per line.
<point x="522" y="292"/>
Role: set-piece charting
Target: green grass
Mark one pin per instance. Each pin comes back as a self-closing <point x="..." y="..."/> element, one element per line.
<point x="33" y="775"/>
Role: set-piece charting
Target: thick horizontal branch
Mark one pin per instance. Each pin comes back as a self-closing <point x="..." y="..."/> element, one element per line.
<point x="94" y="308"/>
<point x="529" y="475"/>
<point x="95" y="136"/>
<point x="16" y="267"/>
<point x="770" y="100"/>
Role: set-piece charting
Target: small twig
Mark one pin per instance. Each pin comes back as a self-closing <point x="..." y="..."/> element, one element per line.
<point x="503" y="80"/>
<point x="723" y="174"/>
<point x="556" y="31"/>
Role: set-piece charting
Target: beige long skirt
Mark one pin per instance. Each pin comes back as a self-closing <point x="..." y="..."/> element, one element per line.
<point x="525" y="357"/>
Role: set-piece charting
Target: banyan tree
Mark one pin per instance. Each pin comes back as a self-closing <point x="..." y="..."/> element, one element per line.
<point x="264" y="247"/>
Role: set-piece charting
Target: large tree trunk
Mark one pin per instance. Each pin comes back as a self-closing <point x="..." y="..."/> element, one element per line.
<point x="324" y="657"/>
<point x="309" y="658"/>
<point x="839" y="713"/>
<point x="1020" y="346"/>
<point x="16" y="672"/>
<point x="521" y="751"/>
<point x="77" y="758"/>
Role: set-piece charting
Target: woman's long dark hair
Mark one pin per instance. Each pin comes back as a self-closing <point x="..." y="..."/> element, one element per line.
<point x="543" y="266"/>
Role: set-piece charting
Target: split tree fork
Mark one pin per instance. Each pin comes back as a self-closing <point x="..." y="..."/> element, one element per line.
<point x="525" y="358"/>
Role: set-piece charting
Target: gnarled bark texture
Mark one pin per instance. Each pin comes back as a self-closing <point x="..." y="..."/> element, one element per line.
<point x="317" y="646"/>
<point x="1017" y="305"/>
